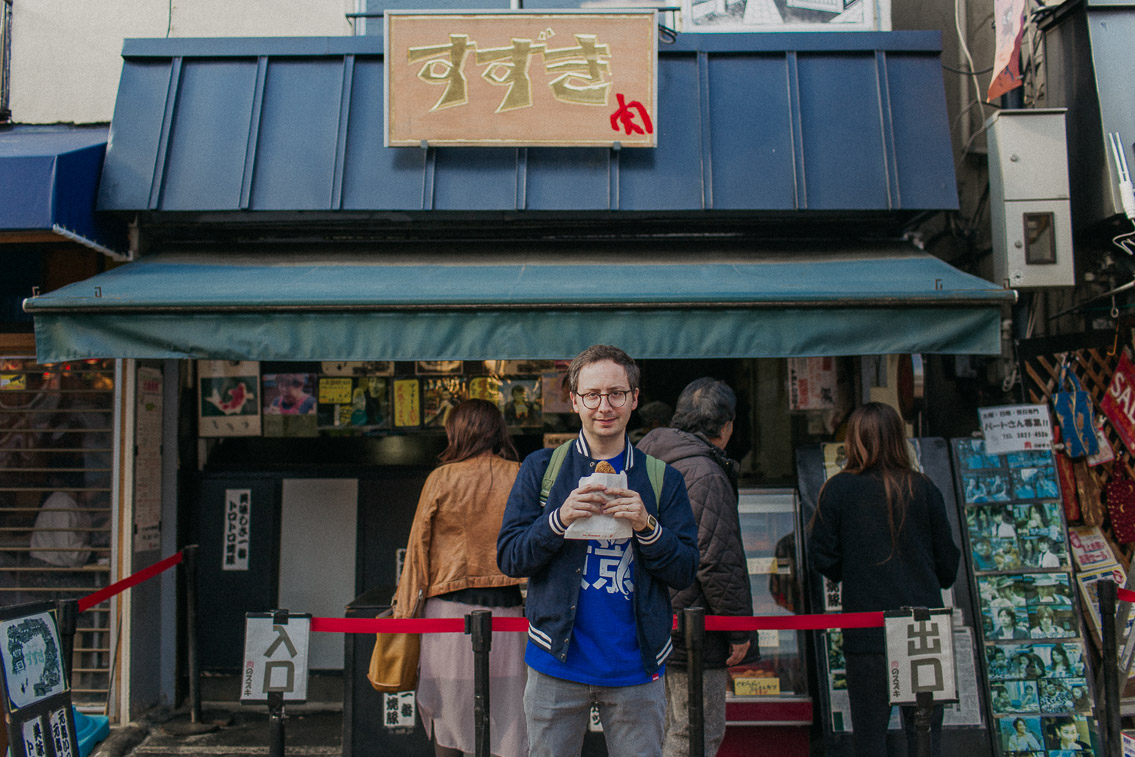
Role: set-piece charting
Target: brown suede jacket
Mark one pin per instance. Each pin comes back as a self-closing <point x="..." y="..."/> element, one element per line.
<point x="453" y="540"/>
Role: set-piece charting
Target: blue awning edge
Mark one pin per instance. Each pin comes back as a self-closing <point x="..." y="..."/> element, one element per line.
<point x="516" y="306"/>
<point x="49" y="179"/>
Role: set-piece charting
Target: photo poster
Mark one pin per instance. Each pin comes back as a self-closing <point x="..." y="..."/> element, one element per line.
<point x="556" y="391"/>
<point x="1035" y="658"/>
<point x="290" y="404"/>
<point x="439" y="396"/>
<point x="520" y="401"/>
<point x="355" y="402"/>
<point x="37" y="695"/>
<point x="228" y="398"/>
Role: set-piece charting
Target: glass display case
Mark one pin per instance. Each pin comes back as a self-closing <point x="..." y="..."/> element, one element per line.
<point x="771" y="695"/>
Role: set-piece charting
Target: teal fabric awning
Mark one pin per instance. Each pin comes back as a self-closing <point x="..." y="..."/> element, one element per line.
<point x="506" y="304"/>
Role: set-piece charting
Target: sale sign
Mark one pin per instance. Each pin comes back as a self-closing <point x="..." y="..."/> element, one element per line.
<point x="1119" y="403"/>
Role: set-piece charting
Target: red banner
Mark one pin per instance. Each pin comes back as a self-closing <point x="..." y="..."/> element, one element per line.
<point x="1119" y="403"/>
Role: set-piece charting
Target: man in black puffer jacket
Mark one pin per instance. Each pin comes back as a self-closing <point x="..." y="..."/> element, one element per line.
<point x="695" y="445"/>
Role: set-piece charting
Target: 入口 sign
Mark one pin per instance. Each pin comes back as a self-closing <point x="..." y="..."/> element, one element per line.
<point x="517" y="79"/>
<point x="275" y="656"/>
<point x="920" y="655"/>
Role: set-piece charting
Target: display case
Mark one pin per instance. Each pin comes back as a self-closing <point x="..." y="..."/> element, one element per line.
<point x="769" y="699"/>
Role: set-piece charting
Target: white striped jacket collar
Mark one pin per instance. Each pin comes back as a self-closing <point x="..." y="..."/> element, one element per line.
<point x="583" y="448"/>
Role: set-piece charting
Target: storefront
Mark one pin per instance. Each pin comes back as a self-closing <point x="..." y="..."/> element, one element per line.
<point x="275" y="231"/>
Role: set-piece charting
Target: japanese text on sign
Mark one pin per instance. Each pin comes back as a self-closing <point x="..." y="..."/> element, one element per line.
<point x="1016" y="428"/>
<point x="238" y="514"/>
<point x="550" y="79"/>
<point x="398" y="710"/>
<point x="275" y="657"/>
<point x="920" y="656"/>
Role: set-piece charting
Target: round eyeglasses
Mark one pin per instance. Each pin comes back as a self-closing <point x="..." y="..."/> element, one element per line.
<point x="592" y="400"/>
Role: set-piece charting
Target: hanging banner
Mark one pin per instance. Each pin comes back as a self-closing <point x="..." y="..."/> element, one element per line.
<point x="1119" y="402"/>
<point x="1010" y="29"/>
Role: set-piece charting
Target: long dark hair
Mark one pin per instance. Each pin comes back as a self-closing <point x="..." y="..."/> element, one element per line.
<point x="474" y="427"/>
<point x="876" y="443"/>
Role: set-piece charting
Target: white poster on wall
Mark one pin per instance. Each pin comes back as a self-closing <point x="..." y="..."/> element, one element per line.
<point x="148" y="461"/>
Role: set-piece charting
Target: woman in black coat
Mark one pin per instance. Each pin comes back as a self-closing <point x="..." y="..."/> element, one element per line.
<point x="880" y="527"/>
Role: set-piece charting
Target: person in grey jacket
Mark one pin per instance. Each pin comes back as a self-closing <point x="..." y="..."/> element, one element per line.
<point x="695" y="445"/>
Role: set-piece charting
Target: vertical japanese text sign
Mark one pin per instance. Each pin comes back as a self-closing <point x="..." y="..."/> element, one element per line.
<point x="920" y="655"/>
<point x="37" y="696"/>
<point x="578" y="78"/>
<point x="275" y="656"/>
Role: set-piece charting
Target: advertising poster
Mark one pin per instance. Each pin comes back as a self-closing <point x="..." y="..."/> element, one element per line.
<point x="229" y="398"/>
<point x="148" y="461"/>
<point x="353" y="402"/>
<point x="1119" y="402"/>
<point x="407" y="403"/>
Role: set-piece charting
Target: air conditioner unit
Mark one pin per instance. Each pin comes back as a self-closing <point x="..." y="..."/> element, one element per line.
<point x="1028" y="195"/>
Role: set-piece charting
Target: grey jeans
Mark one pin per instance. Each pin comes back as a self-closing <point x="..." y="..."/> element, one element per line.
<point x="558" y="711"/>
<point x="714" y="683"/>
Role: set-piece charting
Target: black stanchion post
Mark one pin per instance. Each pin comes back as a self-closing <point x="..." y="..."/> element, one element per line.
<point x="1109" y="660"/>
<point x="189" y="562"/>
<point x="923" y="714"/>
<point x="67" y="613"/>
<point x="480" y="625"/>
<point x="275" y="724"/>
<point x="693" y="626"/>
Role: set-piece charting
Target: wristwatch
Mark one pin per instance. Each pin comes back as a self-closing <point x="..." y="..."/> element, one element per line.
<point x="651" y="524"/>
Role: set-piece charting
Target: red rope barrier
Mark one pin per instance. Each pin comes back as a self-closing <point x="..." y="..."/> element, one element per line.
<point x="712" y="623"/>
<point x="1126" y="595"/>
<point x="102" y="595"/>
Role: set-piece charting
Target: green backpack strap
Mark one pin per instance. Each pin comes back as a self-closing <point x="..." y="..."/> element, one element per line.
<point x="553" y="470"/>
<point x="656" y="472"/>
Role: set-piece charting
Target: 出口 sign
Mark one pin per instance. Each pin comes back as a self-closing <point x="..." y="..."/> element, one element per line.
<point x="521" y="79"/>
<point x="920" y="655"/>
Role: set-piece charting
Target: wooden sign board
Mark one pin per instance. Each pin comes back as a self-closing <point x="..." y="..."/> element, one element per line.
<point x="521" y="79"/>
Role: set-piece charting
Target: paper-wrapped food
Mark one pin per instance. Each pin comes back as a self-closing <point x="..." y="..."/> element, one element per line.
<point x="602" y="526"/>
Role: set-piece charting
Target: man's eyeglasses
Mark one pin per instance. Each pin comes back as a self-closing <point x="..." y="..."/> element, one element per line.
<point x="592" y="400"/>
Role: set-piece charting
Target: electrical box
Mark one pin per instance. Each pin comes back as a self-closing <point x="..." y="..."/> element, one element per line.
<point x="1028" y="199"/>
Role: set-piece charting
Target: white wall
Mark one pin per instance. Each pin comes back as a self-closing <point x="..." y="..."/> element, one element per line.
<point x="67" y="56"/>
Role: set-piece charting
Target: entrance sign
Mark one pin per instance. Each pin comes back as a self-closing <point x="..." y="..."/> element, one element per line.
<point x="920" y="655"/>
<point x="275" y="657"/>
<point x="518" y="79"/>
<point x="37" y="695"/>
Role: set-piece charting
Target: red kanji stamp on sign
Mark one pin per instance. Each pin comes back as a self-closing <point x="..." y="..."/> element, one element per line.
<point x="625" y="118"/>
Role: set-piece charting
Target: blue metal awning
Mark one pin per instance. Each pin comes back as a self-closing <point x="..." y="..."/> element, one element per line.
<point x="516" y="304"/>
<point x="774" y="123"/>
<point x="48" y="180"/>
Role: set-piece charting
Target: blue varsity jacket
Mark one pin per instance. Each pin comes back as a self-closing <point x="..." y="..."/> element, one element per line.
<point x="531" y="545"/>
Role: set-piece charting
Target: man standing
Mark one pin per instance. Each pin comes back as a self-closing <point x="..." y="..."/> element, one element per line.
<point x="695" y="445"/>
<point x="598" y="610"/>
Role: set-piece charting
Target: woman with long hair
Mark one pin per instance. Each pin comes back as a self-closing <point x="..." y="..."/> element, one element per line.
<point x="880" y="527"/>
<point x="451" y="570"/>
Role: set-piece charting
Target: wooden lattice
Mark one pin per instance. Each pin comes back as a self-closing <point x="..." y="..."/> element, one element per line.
<point x="1092" y="357"/>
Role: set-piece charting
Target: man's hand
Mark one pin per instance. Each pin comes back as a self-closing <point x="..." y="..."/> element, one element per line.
<point x="583" y="502"/>
<point x="627" y="505"/>
<point x="737" y="653"/>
